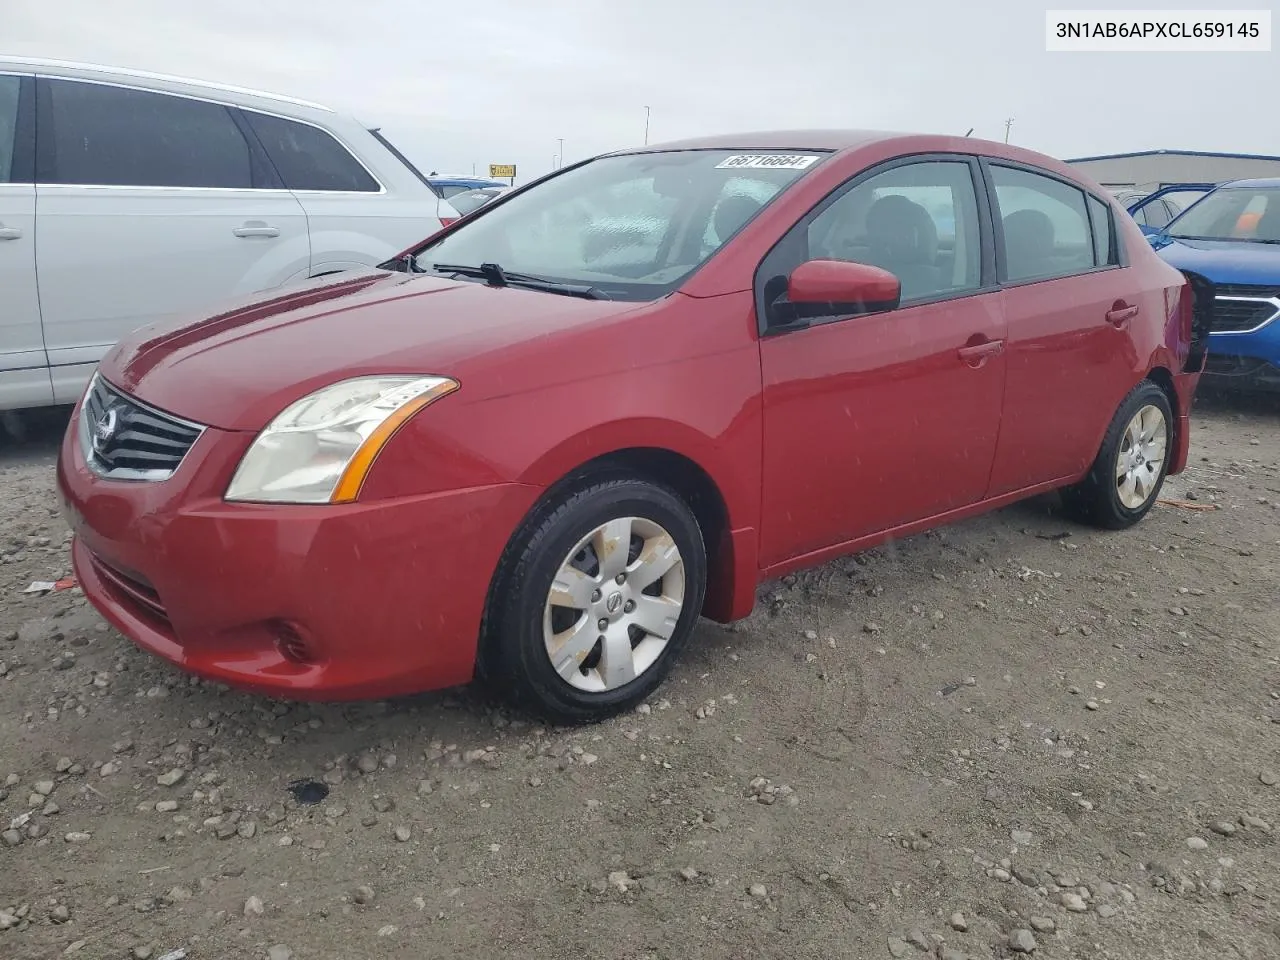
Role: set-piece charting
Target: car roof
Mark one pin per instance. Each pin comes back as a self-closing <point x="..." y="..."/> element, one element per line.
<point x="842" y="140"/>
<point x="1255" y="182"/>
<point x="102" y="71"/>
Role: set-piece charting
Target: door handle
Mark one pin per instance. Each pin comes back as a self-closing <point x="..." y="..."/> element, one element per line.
<point x="256" y="230"/>
<point x="975" y="354"/>
<point x="9" y="233"/>
<point x="1121" y="313"/>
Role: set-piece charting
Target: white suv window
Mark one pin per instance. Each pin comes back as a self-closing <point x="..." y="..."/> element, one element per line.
<point x="9" y="87"/>
<point x="308" y="158"/>
<point x="104" y="135"/>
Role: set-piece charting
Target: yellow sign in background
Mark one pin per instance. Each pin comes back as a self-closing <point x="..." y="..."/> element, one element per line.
<point x="502" y="169"/>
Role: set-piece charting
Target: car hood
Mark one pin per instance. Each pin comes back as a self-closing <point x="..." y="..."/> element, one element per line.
<point x="238" y="368"/>
<point x="1224" y="261"/>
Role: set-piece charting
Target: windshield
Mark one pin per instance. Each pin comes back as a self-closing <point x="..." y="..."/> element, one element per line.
<point x="1233" y="213"/>
<point x="632" y="227"/>
<point x="471" y="200"/>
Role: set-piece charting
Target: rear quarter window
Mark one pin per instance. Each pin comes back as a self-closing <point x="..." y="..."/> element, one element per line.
<point x="309" y="158"/>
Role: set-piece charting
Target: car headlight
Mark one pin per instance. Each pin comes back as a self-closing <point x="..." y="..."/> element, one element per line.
<point x="320" y="449"/>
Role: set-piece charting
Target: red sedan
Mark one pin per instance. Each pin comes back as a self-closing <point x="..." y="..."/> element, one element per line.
<point x="541" y="444"/>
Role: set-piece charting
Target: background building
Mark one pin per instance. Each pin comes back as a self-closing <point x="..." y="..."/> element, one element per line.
<point x="1147" y="170"/>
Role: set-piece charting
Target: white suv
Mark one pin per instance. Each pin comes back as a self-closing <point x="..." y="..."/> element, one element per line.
<point x="127" y="197"/>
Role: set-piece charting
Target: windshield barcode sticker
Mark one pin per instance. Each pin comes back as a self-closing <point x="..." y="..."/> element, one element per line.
<point x="783" y="161"/>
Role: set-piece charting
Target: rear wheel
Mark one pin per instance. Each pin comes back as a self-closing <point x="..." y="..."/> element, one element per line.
<point x="596" y="597"/>
<point x="1131" y="465"/>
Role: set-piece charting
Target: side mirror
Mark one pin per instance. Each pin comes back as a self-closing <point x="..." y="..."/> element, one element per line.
<point x="841" y="286"/>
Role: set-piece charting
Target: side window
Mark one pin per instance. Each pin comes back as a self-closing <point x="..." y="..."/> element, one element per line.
<point x="9" y="89"/>
<point x="1157" y="213"/>
<point x="113" y="136"/>
<point x="1103" y="251"/>
<point x="1046" y="225"/>
<point x="308" y="158"/>
<point x="919" y="221"/>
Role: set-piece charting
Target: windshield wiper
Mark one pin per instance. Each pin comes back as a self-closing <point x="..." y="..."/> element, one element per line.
<point x="1187" y="236"/>
<point x="494" y="275"/>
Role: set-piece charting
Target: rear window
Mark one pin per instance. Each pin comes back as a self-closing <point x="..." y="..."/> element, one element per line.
<point x="309" y="158"/>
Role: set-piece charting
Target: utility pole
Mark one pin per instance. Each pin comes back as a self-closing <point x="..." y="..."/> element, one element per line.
<point x="646" y="126"/>
<point x="1007" y="124"/>
<point x="560" y="140"/>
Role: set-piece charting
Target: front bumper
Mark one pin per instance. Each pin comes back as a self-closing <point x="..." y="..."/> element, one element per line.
<point x="339" y="602"/>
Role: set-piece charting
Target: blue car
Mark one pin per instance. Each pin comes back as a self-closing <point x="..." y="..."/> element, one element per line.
<point x="1231" y="237"/>
<point x="449" y="186"/>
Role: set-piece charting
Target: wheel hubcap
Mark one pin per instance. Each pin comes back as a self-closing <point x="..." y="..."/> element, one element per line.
<point x="614" y="604"/>
<point x="1141" y="457"/>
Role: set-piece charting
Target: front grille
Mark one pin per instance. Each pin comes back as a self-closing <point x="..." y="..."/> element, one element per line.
<point x="132" y="589"/>
<point x="1237" y="316"/>
<point x="1261" y="291"/>
<point x="124" y="439"/>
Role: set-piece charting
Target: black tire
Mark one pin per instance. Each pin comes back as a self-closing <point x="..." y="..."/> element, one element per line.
<point x="513" y="651"/>
<point x="1096" y="499"/>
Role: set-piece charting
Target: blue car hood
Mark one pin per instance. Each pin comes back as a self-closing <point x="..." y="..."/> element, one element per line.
<point x="1223" y="261"/>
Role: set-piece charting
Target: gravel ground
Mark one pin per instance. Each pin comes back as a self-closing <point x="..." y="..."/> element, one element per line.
<point x="1012" y="736"/>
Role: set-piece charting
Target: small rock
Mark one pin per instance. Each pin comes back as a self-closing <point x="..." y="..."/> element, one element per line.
<point x="44" y="787"/>
<point x="279" y="952"/>
<point x="403" y="834"/>
<point x="1042" y="924"/>
<point x="367" y="763"/>
<point x="1091" y="705"/>
<point x="64" y="764"/>
<point x="1269" y="778"/>
<point x="1022" y="941"/>
<point x="143" y="952"/>
<point x="254" y="907"/>
<point x="1106" y="911"/>
<point x="588" y="758"/>
<point x="1197" y="843"/>
<point x="919" y="940"/>
<point x="363" y="894"/>
<point x="620" y="880"/>
<point x="387" y="930"/>
<point x="383" y="804"/>
<point x="758" y="890"/>
<point x="999" y="873"/>
<point x="166" y="806"/>
<point x="1021" y="837"/>
<point x="1073" y="902"/>
<point x="178" y="894"/>
<point x="898" y="948"/>
<point x="12" y="838"/>
<point x="247" y="829"/>
<point x="1256" y="823"/>
<point x="172" y="778"/>
<point x="108" y="769"/>
<point x="950" y="953"/>
<point x="1223" y="828"/>
<point x="958" y="922"/>
<point x="78" y="837"/>
<point x="688" y="873"/>
<point x="60" y="914"/>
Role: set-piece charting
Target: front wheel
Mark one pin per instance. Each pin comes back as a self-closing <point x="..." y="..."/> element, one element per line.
<point x="595" y="598"/>
<point x="1131" y="465"/>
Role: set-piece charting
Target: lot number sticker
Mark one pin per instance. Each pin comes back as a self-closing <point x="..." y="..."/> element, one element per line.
<point x="778" y="161"/>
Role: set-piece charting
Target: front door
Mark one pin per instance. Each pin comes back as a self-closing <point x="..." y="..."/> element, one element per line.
<point x="150" y="205"/>
<point x="882" y="419"/>
<point x="24" y="375"/>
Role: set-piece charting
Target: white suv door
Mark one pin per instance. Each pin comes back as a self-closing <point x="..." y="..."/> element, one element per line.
<point x="24" y="377"/>
<point x="149" y="204"/>
<point x="354" y="217"/>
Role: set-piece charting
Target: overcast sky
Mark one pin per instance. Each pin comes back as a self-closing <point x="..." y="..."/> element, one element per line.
<point x="498" y="81"/>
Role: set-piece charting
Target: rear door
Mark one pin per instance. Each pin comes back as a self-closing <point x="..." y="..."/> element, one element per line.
<point x="1069" y="303"/>
<point x="24" y="377"/>
<point x="150" y="204"/>
<point x="353" y="217"/>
